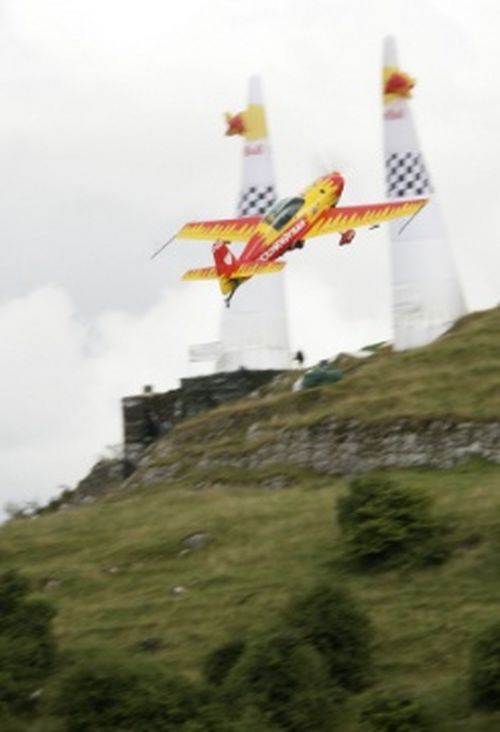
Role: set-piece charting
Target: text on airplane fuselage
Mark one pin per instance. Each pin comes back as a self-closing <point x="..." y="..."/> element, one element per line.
<point x="284" y="240"/>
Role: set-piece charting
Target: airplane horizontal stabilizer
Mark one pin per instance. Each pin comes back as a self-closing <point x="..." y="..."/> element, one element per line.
<point x="257" y="268"/>
<point x="203" y="273"/>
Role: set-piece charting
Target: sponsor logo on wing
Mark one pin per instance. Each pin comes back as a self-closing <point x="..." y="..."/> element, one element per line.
<point x="283" y="241"/>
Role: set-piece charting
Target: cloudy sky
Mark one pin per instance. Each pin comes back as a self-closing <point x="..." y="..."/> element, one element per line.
<point x="111" y="137"/>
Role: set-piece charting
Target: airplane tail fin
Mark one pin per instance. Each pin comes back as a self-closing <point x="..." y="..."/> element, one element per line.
<point x="225" y="261"/>
<point x="228" y="271"/>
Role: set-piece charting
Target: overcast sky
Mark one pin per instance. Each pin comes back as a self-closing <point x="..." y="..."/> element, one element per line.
<point x="112" y="137"/>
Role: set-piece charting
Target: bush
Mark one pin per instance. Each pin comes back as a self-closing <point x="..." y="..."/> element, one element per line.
<point x="120" y="697"/>
<point x="218" y="663"/>
<point x="7" y="722"/>
<point x="383" y="523"/>
<point x="252" y="720"/>
<point x="281" y="683"/>
<point x="216" y="717"/>
<point x="330" y="620"/>
<point x="484" y="676"/>
<point x="27" y="645"/>
<point x="395" y="712"/>
<point x="13" y="590"/>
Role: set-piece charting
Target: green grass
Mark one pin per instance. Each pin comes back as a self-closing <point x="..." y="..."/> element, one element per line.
<point x="457" y="376"/>
<point x="119" y="561"/>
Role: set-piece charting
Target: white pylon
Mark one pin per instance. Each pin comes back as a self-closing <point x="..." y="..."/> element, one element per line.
<point x="426" y="291"/>
<point x="254" y="330"/>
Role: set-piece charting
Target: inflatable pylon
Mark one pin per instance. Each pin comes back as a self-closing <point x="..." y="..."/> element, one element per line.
<point x="254" y="330"/>
<point x="426" y="291"/>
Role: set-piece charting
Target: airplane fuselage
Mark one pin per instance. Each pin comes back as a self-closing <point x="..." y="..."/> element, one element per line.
<point x="289" y="220"/>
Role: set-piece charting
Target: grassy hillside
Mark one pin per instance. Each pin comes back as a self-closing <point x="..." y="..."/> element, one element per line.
<point x="456" y="376"/>
<point x="114" y="571"/>
<point x="123" y="583"/>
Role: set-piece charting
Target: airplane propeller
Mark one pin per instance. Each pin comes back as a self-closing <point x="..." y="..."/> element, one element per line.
<point x="327" y="160"/>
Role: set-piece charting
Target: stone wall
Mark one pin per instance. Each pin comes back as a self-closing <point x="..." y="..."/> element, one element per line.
<point x="147" y="417"/>
<point x="150" y="415"/>
<point x="342" y="447"/>
<point x="346" y="447"/>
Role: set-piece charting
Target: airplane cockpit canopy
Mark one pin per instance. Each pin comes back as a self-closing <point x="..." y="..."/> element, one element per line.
<point x="281" y="213"/>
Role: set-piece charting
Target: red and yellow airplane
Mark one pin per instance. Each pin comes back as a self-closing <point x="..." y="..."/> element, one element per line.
<point x="284" y="228"/>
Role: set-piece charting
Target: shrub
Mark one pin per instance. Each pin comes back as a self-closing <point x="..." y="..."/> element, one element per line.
<point x="252" y="720"/>
<point x="395" y="712"/>
<point x="27" y="645"/>
<point x="383" y="523"/>
<point x="217" y="717"/>
<point x="282" y="683"/>
<point x="330" y="620"/>
<point x="13" y="590"/>
<point x="7" y="722"/>
<point x="484" y="675"/>
<point x="118" y="697"/>
<point x="218" y="663"/>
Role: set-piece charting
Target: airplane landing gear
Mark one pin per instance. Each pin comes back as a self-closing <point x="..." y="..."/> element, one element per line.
<point x="346" y="237"/>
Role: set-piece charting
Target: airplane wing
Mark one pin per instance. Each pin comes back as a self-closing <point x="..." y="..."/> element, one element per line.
<point x="225" y="229"/>
<point x="341" y="218"/>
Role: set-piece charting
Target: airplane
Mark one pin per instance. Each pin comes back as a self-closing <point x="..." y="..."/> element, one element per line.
<point x="284" y="228"/>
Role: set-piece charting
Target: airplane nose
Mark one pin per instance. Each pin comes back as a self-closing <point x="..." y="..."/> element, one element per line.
<point x="338" y="181"/>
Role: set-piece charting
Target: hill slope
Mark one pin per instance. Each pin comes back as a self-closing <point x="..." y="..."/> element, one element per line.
<point x="124" y="582"/>
<point x="454" y="381"/>
<point x="458" y="376"/>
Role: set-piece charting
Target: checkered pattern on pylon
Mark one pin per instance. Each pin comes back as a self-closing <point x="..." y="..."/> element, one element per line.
<point x="406" y="176"/>
<point x="256" y="200"/>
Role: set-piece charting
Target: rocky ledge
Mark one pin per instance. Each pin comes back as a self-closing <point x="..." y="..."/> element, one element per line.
<point x="332" y="447"/>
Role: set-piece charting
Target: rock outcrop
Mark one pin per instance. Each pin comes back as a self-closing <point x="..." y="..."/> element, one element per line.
<point x="332" y="447"/>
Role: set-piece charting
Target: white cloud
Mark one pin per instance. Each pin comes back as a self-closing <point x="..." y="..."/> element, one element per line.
<point x="62" y="379"/>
